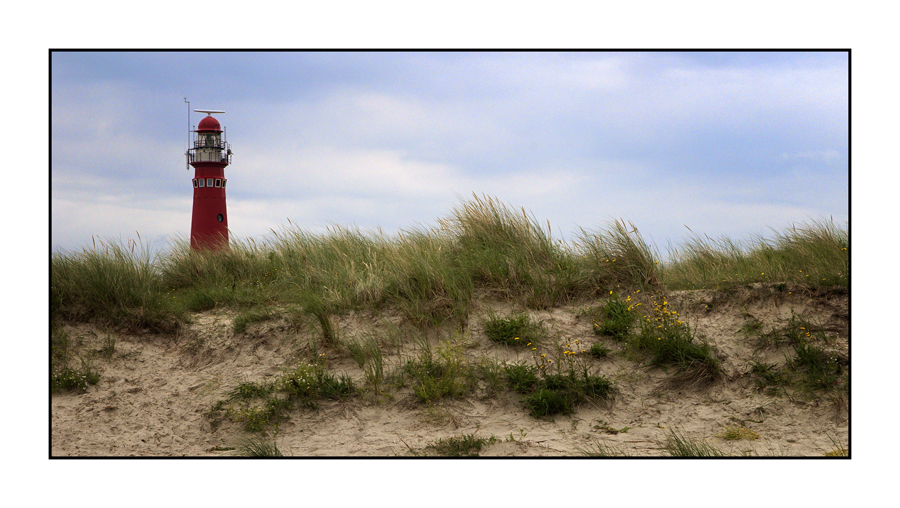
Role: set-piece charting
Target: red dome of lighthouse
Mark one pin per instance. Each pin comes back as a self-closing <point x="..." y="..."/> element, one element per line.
<point x="209" y="124"/>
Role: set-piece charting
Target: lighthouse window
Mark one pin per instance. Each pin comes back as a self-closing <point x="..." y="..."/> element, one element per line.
<point x="220" y="217"/>
<point x="223" y="183"/>
<point x="209" y="182"/>
<point x="218" y="182"/>
<point x="200" y="182"/>
<point x="195" y="183"/>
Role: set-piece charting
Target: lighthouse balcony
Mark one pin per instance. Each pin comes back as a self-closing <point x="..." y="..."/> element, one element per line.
<point x="209" y="155"/>
<point x="210" y="149"/>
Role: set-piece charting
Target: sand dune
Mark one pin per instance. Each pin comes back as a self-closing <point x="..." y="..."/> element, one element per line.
<point x="154" y="390"/>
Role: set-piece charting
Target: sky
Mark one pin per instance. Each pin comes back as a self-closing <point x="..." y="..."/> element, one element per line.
<point x="722" y="144"/>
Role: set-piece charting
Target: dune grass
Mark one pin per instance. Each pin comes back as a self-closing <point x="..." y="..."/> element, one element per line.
<point x="679" y="445"/>
<point x="467" y="445"/>
<point x="813" y="253"/>
<point x="430" y="275"/>
<point x="257" y="446"/>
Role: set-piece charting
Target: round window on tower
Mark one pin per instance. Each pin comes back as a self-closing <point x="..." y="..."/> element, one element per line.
<point x="220" y="217"/>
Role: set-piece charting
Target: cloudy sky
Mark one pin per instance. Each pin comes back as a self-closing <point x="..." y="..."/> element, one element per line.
<point x="725" y="143"/>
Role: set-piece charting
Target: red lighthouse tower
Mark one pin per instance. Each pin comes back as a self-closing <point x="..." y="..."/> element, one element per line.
<point x="209" y="156"/>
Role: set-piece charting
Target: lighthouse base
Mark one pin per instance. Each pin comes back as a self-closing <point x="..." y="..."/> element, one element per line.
<point x="209" y="242"/>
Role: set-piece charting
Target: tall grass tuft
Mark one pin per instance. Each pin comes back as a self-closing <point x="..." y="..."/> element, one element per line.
<point x="426" y="280"/>
<point x="344" y="265"/>
<point x="314" y="305"/>
<point x="243" y="274"/>
<point x="113" y="283"/>
<point x="677" y="445"/>
<point x="511" y="254"/>
<point x="618" y="254"/>
<point x="257" y="446"/>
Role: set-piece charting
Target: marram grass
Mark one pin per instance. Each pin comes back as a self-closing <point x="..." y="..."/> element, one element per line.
<point x="431" y="275"/>
<point x="815" y="253"/>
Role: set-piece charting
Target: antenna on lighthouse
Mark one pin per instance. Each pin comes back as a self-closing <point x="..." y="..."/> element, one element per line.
<point x="187" y="159"/>
<point x="208" y="111"/>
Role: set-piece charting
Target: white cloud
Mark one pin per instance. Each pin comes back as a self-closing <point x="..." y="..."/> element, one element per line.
<point x="328" y="170"/>
<point x="827" y="156"/>
<point x="76" y="218"/>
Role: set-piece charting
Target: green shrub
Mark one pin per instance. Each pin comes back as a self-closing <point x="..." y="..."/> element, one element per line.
<point x="517" y="331"/>
<point x="617" y="319"/>
<point x="67" y="379"/>
<point x="821" y="370"/>
<point x="768" y="377"/>
<point x="521" y="378"/>
<point x="445" y="373"/>
<point x="249" y="391"/>
<point x="546" y="402"/>
<point x="63" y="377"/>
<point x="599" y="351"/>
<point x="333" y="387"/>
<point x="669" y="341"/>
<point x="467" y="445"/>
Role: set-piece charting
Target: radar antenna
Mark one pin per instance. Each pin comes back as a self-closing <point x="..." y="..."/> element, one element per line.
<point x="208" y="111"/>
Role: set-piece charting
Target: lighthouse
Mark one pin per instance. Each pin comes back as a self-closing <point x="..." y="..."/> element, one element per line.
<point x="209" y="156"/>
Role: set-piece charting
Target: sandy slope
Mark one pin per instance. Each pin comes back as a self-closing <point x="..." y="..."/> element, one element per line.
<point x="154" y="390"/>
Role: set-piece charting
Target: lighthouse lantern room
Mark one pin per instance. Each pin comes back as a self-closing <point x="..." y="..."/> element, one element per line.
<point x="209" y="156"/>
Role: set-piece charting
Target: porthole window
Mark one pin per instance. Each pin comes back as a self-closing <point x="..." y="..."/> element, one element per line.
<point x="218" y="182"/>
<point x="195" y="183"/>
<point x="220" y="217"/>
<point x="200" y="182"/>
<point x="209" y="182"/>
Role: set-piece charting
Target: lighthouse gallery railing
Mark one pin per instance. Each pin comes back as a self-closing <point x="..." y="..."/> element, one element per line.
<point x="205" y="150"/>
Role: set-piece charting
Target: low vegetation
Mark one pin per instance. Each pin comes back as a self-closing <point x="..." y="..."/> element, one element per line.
<point x="517" y="331"/>
<point x="71" y="370"/>
<point x="256" y="446"/>
<point x="679" y="445"/>
<point x="467" y="445"/>
<point x="812" y="364"/>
